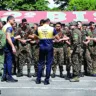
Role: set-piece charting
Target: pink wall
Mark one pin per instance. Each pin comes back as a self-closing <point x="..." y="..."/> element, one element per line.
<point x="64" y="17"/>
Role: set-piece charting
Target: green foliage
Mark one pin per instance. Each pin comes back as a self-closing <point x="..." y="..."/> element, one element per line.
<point x="55" y="9"/>
<point x="24" y="5"/>
<point x="63" y="3"/>
<point x="82" y="5"/>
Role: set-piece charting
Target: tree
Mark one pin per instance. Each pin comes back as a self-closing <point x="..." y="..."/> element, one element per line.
<point x="24" y="5"/>
<point x="55" y="9"/>
<point x="63" y="3"/>
<point x="82" y="5"/>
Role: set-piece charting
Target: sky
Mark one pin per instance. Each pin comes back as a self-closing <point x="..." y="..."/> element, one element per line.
<point x="52" y="5"/>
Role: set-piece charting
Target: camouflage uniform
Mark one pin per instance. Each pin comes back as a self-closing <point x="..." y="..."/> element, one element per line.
<point x="93" y="54"/>
<point x="24" y="52"/>
<point x="15" y="61"/>
<point x="67" y="54"/>
<point x="76" y="54"/>
<point x="2" y="44"/>
<point x="87" y="52"/>
<point x="35" y="57"/>
<point x="58" y="59"/>
<point x="58" y="56"/>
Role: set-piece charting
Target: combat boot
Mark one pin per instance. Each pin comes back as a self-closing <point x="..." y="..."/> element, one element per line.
<point x="74" y="79"/>
<point x="29" y="74"/>
<point x="68" y="74"/>
<point x="19" y="73"/>
<point x="93" y="74"/>
<point x="81" y="74"/>
<point x="61" y="74"/>
<point x="35" y="74"/>
<point x="53" y="75"/>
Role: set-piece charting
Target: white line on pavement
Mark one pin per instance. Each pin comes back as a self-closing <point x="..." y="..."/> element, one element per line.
<point x="51" y="88"/>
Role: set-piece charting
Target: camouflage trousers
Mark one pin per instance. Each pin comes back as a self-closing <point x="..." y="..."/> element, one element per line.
<point x="76" y="62"/>
<point x="35" y="57"/>
<point x="93" y="55"/>
<point x="58" y="59"/>
<point x="24" y="57"/>
<point x="88" y="63"/>
<point x="1" y="61"/>
<point x="67" y="57"/>
<point x="15" y="62"/>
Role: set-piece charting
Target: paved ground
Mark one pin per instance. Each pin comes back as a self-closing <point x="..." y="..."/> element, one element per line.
<point x="58" y="87"/>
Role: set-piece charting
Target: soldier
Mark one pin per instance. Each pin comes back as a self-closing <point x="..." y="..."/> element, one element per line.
<point x="79" y="26"/>
<point x="35" y="50"/>
<point x="2" y="45"/>
<point x="76" y="44"/>
<point x="59" y="52"/>
<point x="67" y="52"/>
<point x="15" y="62"/>
<point x="87" y="46"/>
<point x="93" y="48"/>
<point x="24" y="53"/>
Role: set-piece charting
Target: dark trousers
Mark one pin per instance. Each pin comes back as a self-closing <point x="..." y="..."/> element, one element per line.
<point x="45" y="56"/>
<point x="9" y="58"/>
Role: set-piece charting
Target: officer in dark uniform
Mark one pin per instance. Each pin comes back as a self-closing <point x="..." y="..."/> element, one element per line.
<point x="46" y="34"/>
<point x="9" y="50"/>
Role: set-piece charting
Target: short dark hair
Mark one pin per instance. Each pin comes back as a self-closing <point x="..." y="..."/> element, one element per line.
<point x="79" y="21"/>
<point x="9" y="18"/>
<point x="91" y="23"/>
<point x="24" y="20"/>
<point x="47" y="20"/>
<point x="42" y="21"/>
<point x="59" y="23"/>
<point x="3" y="22"/>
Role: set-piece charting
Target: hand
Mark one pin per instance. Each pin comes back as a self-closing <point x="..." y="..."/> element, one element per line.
<point x="32" y="42"/>
<point x="94" y="39"/>
<point x="14" y="50"/>
<point x="17" y="37"/>
<point x="56" y="40"/>
<point x="60" y="40"/>
<point x="88" y="38"/>
<point x="23" y="41"/>
<point x="28" y="40"/>
<point x="86" y="43"/>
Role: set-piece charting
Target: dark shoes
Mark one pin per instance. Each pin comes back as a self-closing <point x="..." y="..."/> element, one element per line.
<point x="81" y="74"/>
<point x="38" y="81"/>
<point x="61" y="75"/>
<point x="29" y="75"/>
<point x="8" y="79"/>
<point x="19" y="74"/>
<point x="46" y="82"/>
<point x="53" y="75"/>
<point x="11" y="80"/>
<point x="3" y="79"/>
<point x="35" y="74"/>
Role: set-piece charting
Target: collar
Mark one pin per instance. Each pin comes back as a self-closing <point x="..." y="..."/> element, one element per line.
<point x="46" y="25"/>
<point x="8" y="24"/>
